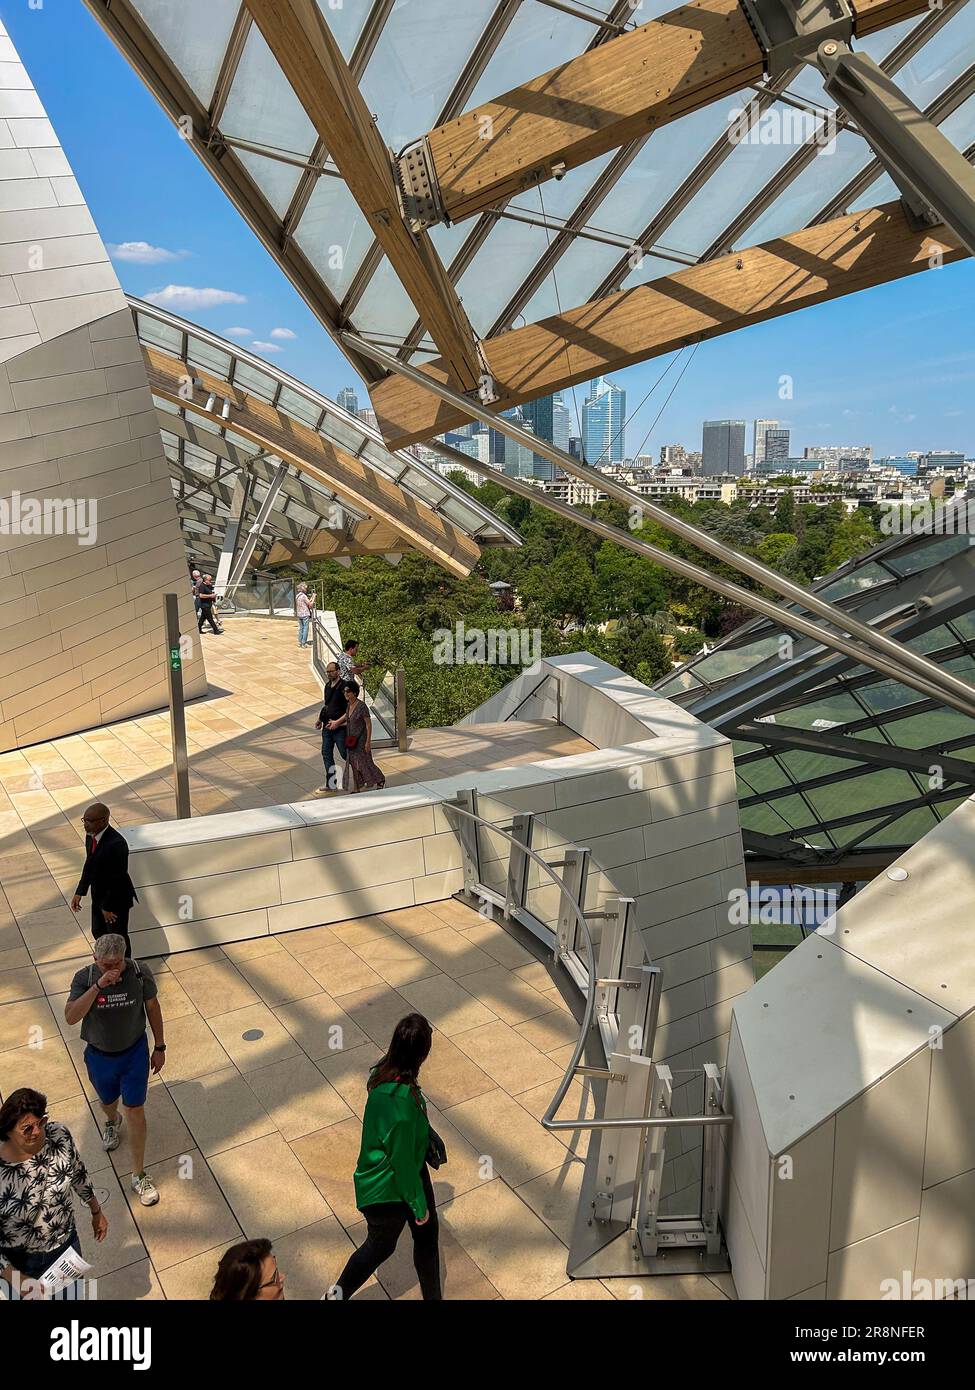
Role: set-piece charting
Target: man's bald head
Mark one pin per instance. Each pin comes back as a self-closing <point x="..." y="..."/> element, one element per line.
<point x="96" y="818"/>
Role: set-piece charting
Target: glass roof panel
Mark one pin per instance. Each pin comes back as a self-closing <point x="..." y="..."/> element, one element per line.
<point x="194" y="36"/>
<point x="262" y="106"/>
<point x="535" y="30"/>
<point x="257" y="383"/>
<point x="345" y="18"/>
<point x="334" y="234"/>
<point x="424" y="46"/>
<point x="276" y="180"/>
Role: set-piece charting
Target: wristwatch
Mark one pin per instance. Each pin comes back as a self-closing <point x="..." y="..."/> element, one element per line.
<point x="159" y="1047"/>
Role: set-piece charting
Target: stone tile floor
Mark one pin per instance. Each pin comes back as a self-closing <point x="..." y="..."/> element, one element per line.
<point x="259" y="1135"/>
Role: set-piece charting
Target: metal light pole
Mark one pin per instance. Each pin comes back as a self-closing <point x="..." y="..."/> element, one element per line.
<point x="177" y="707"/>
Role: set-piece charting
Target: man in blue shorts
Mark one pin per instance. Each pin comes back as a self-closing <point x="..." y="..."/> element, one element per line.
<point x="112" y="999"/>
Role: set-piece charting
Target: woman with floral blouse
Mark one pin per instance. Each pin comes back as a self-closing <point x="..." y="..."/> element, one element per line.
<point x="40" y="1167"/>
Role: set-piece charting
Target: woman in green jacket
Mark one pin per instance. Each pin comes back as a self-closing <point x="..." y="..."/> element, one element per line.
<point x="392" y="1182"/>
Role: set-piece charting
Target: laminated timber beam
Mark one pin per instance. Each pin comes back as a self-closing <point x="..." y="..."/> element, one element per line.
<point x="615" y="93"/>
<point x="298" y="36"/>
<point x="349" y="478"/>
<point x="836" y="258"/>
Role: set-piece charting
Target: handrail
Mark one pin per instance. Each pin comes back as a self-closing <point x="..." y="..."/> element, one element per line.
<point x="548" y="1121"/>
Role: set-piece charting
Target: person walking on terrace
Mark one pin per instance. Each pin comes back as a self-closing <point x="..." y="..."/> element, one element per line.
<point x="207" y="595"/>
<point x="361" y="773"/>
<point x="332" y="737"/>
<point x="197" y="579"/>
<point x="392" y="1179"/>
<point x="305" y="605"/>
<point x="349" y="665"/>
<point x="112" y="999"/>
<point x="106" y="875"/>
<point x="40" y="1167"/>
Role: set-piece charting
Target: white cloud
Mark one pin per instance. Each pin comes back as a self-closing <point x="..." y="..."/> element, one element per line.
<point x="142" y="253"/>
<point x="238" y="333"/>
<point x="189" y="298"/>
<point x="284" y="333"/>
<point x="266" y="347"/>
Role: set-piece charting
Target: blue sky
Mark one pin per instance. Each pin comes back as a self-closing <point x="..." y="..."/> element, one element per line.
<point x="893" y="367"/>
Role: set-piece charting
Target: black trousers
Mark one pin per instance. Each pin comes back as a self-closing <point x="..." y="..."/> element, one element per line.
<point x="206" y="616"/>
<point x="385" y="1221"/>
<point x="99" y="927"/>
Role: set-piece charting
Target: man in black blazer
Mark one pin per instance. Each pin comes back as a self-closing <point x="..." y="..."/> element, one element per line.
<point x="106" y="873"/>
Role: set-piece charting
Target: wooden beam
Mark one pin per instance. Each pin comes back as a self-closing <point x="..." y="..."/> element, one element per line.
<point x="615" y="93"/>
<point x="310" y="453"/>
<point x="836" y="258"/>
<point x="298" y="36"/>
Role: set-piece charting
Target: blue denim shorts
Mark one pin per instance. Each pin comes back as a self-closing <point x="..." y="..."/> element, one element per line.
<point x="124" y="1074"/>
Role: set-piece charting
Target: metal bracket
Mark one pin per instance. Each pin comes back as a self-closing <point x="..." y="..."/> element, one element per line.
<point x="789" y="31"/>
<point x="418" y="187"/>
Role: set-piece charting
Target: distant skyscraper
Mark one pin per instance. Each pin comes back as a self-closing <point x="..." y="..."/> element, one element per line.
<point x="368" y="417"/>
<point x="724" y="447"/>
<point x="518" y="461"/>
<point x="758" y="442"/>
<point x="348" y="400"/>
<point x="776" y="445"/>
<point x="561" y="424"/>
<point x="603" y="419"/>
<point x="545" y="416"/>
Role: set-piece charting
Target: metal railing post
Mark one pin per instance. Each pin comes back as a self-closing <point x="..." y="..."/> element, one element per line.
<point x="573" y="895"/>
<point x="628" y="1093"/>
<point x="713" y="1105"/>
<point x="522" y="829"/>
<point x="652" y="1166"/>
<point x="402" y="741"/>
<point x="469" y="846"/>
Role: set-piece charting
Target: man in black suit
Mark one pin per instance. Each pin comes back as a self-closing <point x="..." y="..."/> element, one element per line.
<point x="106" y="873"/>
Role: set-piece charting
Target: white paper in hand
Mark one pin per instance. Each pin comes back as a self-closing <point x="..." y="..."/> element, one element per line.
<point x="64" y="1271"/>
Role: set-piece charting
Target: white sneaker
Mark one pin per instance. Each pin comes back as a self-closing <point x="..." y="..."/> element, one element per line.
<point x="145" y="1189"/>
<point x="112" y="1134"/>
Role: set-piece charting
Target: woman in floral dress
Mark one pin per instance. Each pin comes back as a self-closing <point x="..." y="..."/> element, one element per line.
<point x="361" y="773"/>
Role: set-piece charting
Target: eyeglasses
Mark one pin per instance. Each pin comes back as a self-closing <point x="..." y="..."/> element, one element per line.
<point x="32" y="1127"/>
<point x="275" y="1282"/>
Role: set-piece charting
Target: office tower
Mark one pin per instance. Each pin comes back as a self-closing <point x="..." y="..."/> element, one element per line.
<point x="723" y="448"/>
<point x="545" y="416"/>
<point x="561" y="424"/>
<point x="758" y="443"/>
<point x="517" y="460"/>
<point x="348" y="400"/>
<point x="939" y="461"/>
<point x="368" y="417"/>
<point x="575" y="447"/>
<point x="835" y="454"/>
<point x="776" y="444"/>
<point x="603" y="420"/>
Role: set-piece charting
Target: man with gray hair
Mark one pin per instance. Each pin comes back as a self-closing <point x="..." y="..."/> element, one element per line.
<point x="112" y="999"/>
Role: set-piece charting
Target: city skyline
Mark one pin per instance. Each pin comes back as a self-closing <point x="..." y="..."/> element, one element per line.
<point x="221" y="275"/>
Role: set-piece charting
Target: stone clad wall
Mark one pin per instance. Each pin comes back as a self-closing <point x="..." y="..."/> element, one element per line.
<point x="850" y="1169"/>
<point x="82" y="636"/>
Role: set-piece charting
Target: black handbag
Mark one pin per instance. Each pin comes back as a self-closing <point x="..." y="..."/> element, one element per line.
<point x="436" y="1150"/>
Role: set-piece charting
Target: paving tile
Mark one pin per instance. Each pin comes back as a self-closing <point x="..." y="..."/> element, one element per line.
<point x="377" y="1011"/>
<point x="299" y="943"/>
<point x="136" y="1283"/>
<point x="449" y="1075"/>
<point x="511" y="1246"/>
<point x="278" y="978"/>
<point x="339" y="970"/>
<point x="495" y="942"/>
<point x="554" y="1195"/>
<point x="221" y="1111"/>
<point x="269" y="1040"/>
<point x="192" y="1049"/>
<point x="549" y="1031"/>
<point x="48" y="1069"/>
<point x="447" y="1005"/>
<point x="19" y="984"/>
<point x="665" y="1288"/>
<point x="507" y="996"/>
<point x="25" y="1023"/>
<point x="394" y="960"/>
<point x="579" y="1291"/>
<point x="452" y="953"/>
<point x="192" y="1280"/>
<point x="312" y="1258"/>
<point x="348" y="1071"/>
<point x="329" y="1157"/>
<point x="217" y="988"/>
<point x="190" y="1217"/>
<point x="320" y="1027"/>
<point x="268" y="1190"/>
<point x="507" y="1136"/>
<point x="298" y="1098"/>
<point x="507" y="1057"/>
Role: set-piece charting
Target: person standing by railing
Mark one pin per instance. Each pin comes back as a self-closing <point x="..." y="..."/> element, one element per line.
<point x="361" y="773"/>
<point x="305" y="606"/>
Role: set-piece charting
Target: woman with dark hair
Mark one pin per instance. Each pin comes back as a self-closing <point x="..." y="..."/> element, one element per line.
<point x="39" y="1169"/>
<point x="248" y="1273"/>
<point x="361" y="773"/>
<point x="392" y="1181"/>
